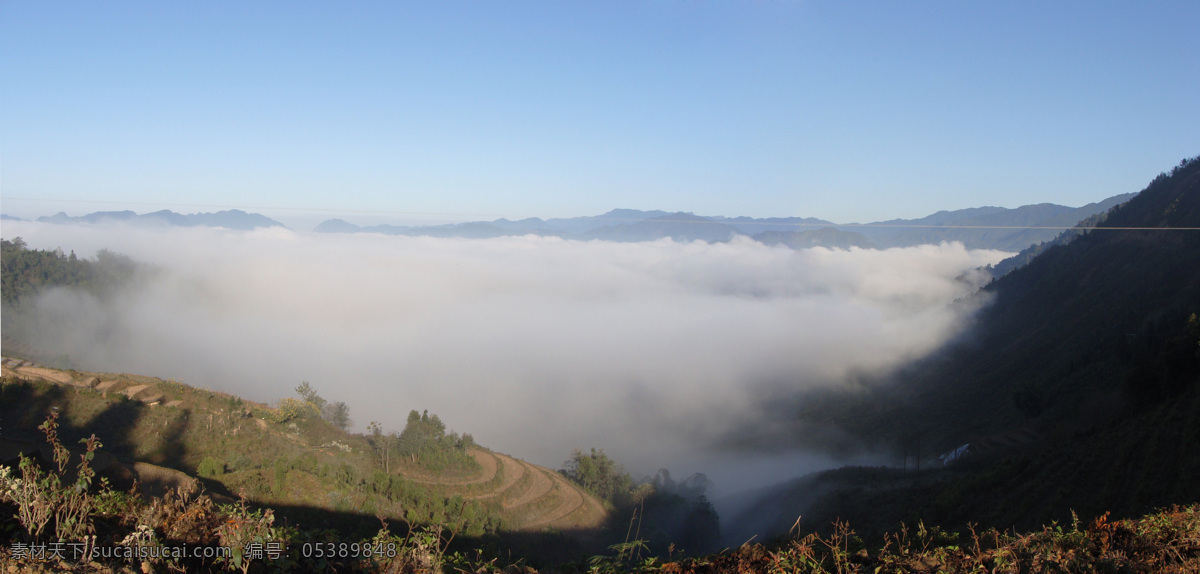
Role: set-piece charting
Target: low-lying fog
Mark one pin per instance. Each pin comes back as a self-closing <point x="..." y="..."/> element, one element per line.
<point x="651" y="351"/>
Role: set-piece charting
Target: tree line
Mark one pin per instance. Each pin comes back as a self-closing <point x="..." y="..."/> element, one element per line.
<point x="659" y="512"/>
<point x="29" y="272"/>
<point x="424" y="443"/>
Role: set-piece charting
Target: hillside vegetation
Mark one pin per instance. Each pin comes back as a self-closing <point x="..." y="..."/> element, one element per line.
<point x="109" y="531"/>
<point x="290" y="456"/>
<point x="30" y="272"/>
<point x="1077" y="389"/>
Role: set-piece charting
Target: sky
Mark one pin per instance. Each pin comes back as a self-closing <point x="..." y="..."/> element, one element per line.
<point x="452" y="111"/>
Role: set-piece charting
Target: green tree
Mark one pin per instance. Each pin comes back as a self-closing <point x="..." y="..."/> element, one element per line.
<point x="383" y="444"/>
<point x="28" y="272"/>
<point x="424" y="440"/>
<point x="337" y="414"/>
<point x="598" y="474"/>
<point x="423" y="432"/>
<point x="308" y="393"/>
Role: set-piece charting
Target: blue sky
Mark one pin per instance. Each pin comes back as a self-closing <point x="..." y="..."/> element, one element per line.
<point x="432" y="111"/>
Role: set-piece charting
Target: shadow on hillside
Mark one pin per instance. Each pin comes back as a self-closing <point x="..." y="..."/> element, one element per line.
<point x="539" y="549"/>
<point x="25" y="406"/>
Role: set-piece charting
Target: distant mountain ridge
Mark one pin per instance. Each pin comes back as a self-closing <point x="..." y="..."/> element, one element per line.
<point x="229" y="219"/>
<point x="561" y="227"/>
<point x="1006" y="229"/>
<point x="986" y="227"/>
<point x="1000" y="228"/>
<point x="1076" y="392"/>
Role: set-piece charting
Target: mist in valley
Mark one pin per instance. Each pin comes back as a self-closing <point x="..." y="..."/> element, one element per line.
<point x="655" y="352"/>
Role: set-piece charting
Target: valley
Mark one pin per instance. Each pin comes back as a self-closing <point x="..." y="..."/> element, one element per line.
<point x="1072" y="398"/>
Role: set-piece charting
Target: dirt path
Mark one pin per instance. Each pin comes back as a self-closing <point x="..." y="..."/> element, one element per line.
<point x="513" y="472"/>
<point x="485" y="459"/>
<point x="542" y="485"/>
<point x="592" y="512"/>
<point x="572" y="500"/>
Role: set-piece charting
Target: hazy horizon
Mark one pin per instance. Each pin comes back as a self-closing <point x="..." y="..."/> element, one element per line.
<point x="304" y="220"/>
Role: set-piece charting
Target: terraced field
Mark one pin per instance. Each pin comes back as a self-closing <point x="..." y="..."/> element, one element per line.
<point x="531" y="497"/>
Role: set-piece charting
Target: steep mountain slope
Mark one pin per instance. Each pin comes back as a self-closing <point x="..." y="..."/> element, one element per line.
<point x="1078" y="389"/>
<point x="1065" y="334"/>
<point x="1023" y="257"/>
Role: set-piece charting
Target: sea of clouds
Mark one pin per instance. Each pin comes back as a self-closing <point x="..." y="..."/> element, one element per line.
<point x="652" y="351"/>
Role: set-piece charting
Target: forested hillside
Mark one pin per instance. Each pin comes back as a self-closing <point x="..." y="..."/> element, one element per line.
<point x="1079" y="388"/>
<point x="1087" y="333"/>
<point x="28" y="272"/>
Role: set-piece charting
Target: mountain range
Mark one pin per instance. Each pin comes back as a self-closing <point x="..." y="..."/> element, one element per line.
<point x="999" y="228"/>
<point x="229" y="219"/>
<point x="978" y="228"/>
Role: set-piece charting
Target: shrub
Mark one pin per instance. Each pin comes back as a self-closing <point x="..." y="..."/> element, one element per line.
<point x="210" y="468"/>
<point x="290" y="409"/>
<point x="41" y="496"/>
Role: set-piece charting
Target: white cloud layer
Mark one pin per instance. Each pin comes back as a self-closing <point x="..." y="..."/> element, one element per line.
<point x="534" y="345"/>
